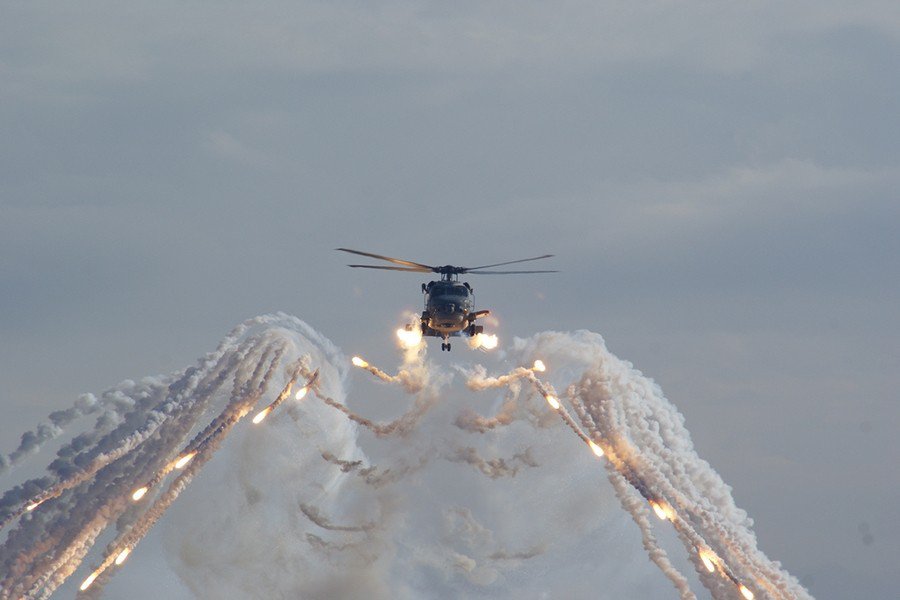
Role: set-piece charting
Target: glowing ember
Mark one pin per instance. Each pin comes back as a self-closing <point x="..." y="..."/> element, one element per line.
<point x="409" y="339"/>
<point x="301" y="393"/>
<point x="597" y="450"/>
<point x="709" y="560"/>
<point x="358" y="362"/>
<point x="122" y="556"/>
<point x="552" y="401"/>
<point x="260" y="415"/>
<point x="139" y="493"/>
<point x="87" y="582"/>
<point x="659" y="510"/>
<point x="539" y="366"/>
<point x="746" y="593"/>
<point x="181" y="462"/>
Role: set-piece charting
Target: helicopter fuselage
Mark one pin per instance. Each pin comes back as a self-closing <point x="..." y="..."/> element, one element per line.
<point x="449" y="308"/>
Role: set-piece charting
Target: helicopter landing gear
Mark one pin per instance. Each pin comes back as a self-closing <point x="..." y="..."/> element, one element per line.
<point x="445" y="346"/>
<point x="474" y="329"/>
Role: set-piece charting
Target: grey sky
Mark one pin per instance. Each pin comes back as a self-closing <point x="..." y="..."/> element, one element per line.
<point x="718" y="181"/>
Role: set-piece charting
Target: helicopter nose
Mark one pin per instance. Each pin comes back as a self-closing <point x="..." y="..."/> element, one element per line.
<point x="451" y="315"/>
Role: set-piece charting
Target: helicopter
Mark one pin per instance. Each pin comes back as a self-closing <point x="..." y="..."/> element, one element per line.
<point x="449" y="304"/>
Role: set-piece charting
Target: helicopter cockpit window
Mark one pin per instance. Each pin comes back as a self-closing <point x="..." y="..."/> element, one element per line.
<point x="451" y="291"/>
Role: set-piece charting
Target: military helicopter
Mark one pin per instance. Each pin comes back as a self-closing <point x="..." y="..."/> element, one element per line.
<point x="449" y="305"/>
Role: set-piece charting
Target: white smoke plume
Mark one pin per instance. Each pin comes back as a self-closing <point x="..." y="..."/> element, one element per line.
<point x="91" y="482"/>
<point x="32" y="441"/>
<point x="647" y="443"/>
<point x="493" y="500"/>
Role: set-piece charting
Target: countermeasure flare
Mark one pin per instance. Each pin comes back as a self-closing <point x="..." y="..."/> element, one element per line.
<point x="285" y="393"/>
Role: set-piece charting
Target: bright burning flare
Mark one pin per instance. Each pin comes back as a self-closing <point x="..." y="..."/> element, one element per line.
<point x="87" y="582"/>
<point x="301" y="393"/>
<point x="139" y="493"/>
<point x="670" y="512"/>
<point x="181" y="462"/>
<point x="488" y="342"/>
<point x="663" y="510"/>
<point x="597" y="450"/>
<point x="552" y="401"/>
<point x="409" y="339"/>
<point x="746" y="593"/>
<point x="358" y="362"/>
<point x="709" y="560"/>
<point x="659" y="510"/>
<point x="122" y="556"/>
<point x="260" y="416"/>
<point x="539" y="366"/>
<point x="34" y="505"/>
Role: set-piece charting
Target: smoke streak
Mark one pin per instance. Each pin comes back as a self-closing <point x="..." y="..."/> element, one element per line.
<point x="414" y="379"/>
<point x="346" y="466"/>
<point x="32" y="441"/>
<point x="469" y="420"/>
<point x="372" y="475"/>
<point x="639" y="513"/>
<point x="313" y="514"/>
<point x="494" y="467"/>
<point x="399" y="426"/>
<point x="479" y="381"/>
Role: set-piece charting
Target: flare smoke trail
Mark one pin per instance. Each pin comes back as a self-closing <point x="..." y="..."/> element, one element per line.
<point x="494" y="467"/>
<point x="351" y="524"/>
<point x="32" y="441"/>
<point x="652" y="450"/>
<point x="135" y="442"/>
<point x="469" y="420"/>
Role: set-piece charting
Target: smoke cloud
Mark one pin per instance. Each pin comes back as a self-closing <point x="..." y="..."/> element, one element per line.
<point x="319" y="501"/>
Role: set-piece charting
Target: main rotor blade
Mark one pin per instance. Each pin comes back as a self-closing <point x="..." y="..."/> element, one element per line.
<point x="407" y="269"/>
<point x="398" y="261"/>
<point x="507" y="272"/>
<point x="469" y="269"/>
